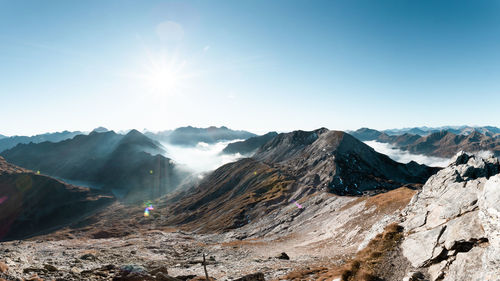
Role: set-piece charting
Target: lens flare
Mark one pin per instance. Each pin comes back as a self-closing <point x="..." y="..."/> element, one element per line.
<point x="148" y="207"/>
<point x="297" y="204"/>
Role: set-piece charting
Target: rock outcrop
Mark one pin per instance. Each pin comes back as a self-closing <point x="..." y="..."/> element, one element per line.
<point x="452" y="225"/>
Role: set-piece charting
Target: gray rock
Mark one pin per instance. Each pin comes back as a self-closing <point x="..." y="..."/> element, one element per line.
<point x="452" y="226"/>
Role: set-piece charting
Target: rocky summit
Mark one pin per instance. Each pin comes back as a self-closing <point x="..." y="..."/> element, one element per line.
<point x="452" y="226"/>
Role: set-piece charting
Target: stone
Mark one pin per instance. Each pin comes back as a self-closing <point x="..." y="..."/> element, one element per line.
<point x="436" y="270"/>
<point x="466" y="266"/>
<point x="419" y="247"/>
<point x="466" y="228"/>
<point x="3" y="267"/>
<point x="50" y="267"/>
<point x="164" y="277"/>
<point x="259" y="276"/>
<point x="89" y="257"/>
<point x="283" y="256"/>
<point x="157" y="270"/>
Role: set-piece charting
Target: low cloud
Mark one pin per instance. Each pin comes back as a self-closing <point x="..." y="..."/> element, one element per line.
<point x="201" y="158"/>
<point x="402" y="156"/>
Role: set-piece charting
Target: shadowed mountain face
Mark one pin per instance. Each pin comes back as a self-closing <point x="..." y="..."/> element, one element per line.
<point x="250" y="145"/>
<point x="191" y="136"/>
<point x="9" y="142"/>
<point x="32" y="204"/>
<point x="440" y="144"/>
<point x="129" y="165"/>
<point x="291" y="165"/>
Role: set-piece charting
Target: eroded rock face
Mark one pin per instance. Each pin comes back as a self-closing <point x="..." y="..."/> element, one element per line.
<point x="452" y="226"/>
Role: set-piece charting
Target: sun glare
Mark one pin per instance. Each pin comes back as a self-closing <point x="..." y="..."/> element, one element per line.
<point x="164" y="73"/>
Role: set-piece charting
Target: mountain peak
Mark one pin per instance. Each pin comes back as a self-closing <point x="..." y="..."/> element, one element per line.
<point x="100" y="130"/>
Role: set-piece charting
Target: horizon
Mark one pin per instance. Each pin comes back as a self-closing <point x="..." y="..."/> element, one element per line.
<point x="258" y="66"/>
<point x="261" y="132"/>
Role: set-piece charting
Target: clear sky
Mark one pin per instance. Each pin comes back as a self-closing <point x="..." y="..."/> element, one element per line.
<point x="255" y="65"/>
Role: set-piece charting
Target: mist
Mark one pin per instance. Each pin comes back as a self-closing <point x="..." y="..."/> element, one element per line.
<point x="201" y="158"/>
<point x="402" y="156"/>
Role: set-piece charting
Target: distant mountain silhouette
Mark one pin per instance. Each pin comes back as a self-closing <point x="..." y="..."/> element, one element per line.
<point x="250" y="145"/>
<point x="32" y="203"/>
<point x="458" y="130"/>
<point x="9" y="142"/>
<point x="129" y="165"/>
<point x="191" y="136"/>
<point x="443" y="143"/>
<point x="100" y="130"/>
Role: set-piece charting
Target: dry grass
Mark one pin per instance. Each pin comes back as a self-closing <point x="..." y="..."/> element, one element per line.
<point x="364" y="266"/>
<point x="390" y="201"/>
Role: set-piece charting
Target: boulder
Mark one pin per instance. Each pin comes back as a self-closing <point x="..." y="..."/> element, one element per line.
<point x="452" y="226"/>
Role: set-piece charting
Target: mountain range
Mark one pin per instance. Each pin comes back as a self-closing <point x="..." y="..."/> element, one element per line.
<point x="128" y="165"/>
<point x="9" y="142"/>
<point x="191" y="136"/>
<point x="441" y="143"/>
<point x="458" y="130"/>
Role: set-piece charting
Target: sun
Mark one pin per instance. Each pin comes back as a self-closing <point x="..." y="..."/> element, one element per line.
<point x="164" y="73"/>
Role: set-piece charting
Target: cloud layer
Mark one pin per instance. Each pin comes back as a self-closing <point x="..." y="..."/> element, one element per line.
<point x="201" y="158"/>
<point x="402" y="156"/>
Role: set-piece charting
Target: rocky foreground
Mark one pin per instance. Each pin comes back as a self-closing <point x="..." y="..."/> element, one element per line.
<point x="449" y="230"/>
<point x="453" y="225"/>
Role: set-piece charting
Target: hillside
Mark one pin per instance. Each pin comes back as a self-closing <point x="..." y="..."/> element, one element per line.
<point x="128" y="165"/>
<point x="34" y="204"/>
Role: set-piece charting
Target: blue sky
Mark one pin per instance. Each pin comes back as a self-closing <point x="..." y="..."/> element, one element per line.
<point x="255" y="65"/>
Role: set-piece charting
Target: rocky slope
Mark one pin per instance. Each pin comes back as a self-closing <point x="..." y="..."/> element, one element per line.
<point x="31" y="203"/>
<point x="250" y="145"/>
<point x="452" y="226"/>
<point x="128" y="165"/>
<point x="337" y="162"/>
<point x="443" y="144"/>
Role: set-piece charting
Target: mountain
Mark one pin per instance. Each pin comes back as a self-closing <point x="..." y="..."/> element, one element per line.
<point x="459" y="130"/>
<point x="2" y="136"/>
<point x="250" y="145"/>
<point x="191" y="136"/>
<point x="128" y="165"/>
<point x="290" y="166"/>
<point x="443" y="144"/>
<point x="366" y="134"/>
<point x="32" y="203"/>
<point x="9" y="142"/>
<point x="100" y="130"/>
